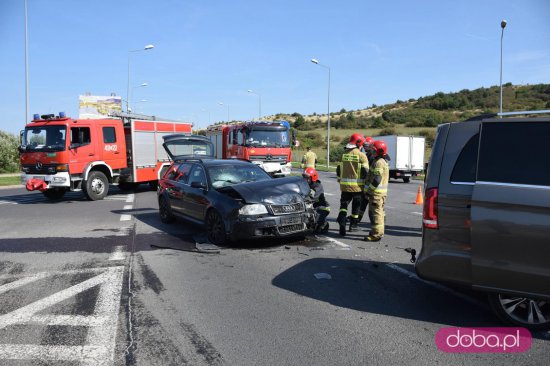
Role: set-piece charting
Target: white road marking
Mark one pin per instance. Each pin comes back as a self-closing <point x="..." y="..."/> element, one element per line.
<point x="329" y="194"/>
<point x="436" y="285"/>
<point x="417" y="213"/>
<point x="128" y="207"/>
<point x="118" y="253"/>
<point x="124" y="231"/>
<point x="22" y="282"/>
<point x="125" y="217"/>
<point x="100" y="346"/>
<point x="8" y="203"/>
<point x="130" y="198"/>
<point x="334" y="241"/>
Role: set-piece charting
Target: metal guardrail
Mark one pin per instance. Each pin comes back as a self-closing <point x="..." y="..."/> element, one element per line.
<point x="547" y="111"/>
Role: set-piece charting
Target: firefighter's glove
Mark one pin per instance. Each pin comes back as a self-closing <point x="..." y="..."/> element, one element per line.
<point x="312" y="193"/>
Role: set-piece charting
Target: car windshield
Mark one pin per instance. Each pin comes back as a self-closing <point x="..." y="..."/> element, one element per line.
<point x="226" y="175"/>
<point x="44" y="138"/>
<point x="268" y="138"/>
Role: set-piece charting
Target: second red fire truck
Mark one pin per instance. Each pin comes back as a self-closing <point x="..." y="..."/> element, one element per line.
<point x="267" y="144"/>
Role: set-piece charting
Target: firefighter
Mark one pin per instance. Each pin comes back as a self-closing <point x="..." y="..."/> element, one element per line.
<point x="309" y="160"/>
<point x="368" y="151"/>
<point x="317" y="194"/>
<point x="351" y="172"/>
<point x="377" y="190"/>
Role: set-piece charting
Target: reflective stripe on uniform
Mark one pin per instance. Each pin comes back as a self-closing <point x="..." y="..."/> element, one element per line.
<point x="344" y="210"/>
<point x="324" y="208"/>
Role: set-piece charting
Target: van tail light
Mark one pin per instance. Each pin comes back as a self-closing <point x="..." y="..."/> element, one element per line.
<point x="429" y="217"/>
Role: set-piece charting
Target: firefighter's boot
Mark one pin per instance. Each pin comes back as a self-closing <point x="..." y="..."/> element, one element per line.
<point x="353" y="224"/>
<point x="341" y="220"/>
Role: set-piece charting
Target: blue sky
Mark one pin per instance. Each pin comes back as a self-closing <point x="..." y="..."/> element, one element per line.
<point x="208" y="52"/>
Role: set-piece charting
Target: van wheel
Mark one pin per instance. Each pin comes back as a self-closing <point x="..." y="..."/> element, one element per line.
<point x="215" y="227"/>
<point x="97" y="186"/>
<point x="406" y="179"/>
<point x="521" y="311"/>
<point x="54" y="194"/>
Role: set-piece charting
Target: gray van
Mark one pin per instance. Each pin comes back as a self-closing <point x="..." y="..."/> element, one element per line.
<point x="486" y="220"/>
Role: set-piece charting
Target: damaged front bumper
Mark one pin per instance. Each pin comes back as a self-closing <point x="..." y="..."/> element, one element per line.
<point x="262" y="226"/>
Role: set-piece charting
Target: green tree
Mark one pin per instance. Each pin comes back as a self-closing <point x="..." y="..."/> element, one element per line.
<point x="9" y="155"/>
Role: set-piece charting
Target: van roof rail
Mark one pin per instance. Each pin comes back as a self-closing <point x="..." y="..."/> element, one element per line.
<point x="523" y="112"/>
<point x="479" y="117"/>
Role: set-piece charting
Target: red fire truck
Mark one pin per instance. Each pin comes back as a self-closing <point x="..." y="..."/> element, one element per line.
<point x="266" y="144"/>
<point x="60" y="154"/>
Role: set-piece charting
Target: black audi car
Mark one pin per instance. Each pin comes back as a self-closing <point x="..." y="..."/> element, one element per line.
<point x="234" y="199"/>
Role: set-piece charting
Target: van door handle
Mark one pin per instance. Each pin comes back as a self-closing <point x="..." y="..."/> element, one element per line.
<point x="91" y="154"/>
<point x="116" y="152"/>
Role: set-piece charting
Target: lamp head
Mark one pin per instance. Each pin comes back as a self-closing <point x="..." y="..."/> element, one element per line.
<point x="149" y="47"/>
<point x="315" y="61"/>
<point x="503" y="24"/>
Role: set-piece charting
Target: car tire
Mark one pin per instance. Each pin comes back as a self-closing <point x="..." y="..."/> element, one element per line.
<point x="215" y="228"/>
<point x="521" y="311"/>
<point x="406" y="179"/>
<point x="165" y="211"/>
<point x="54" y="194"/>
<point x="96" y="186"/>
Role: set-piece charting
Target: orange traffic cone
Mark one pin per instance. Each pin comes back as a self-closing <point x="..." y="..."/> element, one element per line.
<point x="419" y="198"/>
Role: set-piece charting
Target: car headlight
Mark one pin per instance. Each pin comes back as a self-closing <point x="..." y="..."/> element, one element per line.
<point x="254" y="209"/>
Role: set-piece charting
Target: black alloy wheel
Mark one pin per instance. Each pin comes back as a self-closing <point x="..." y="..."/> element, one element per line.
<point x="165" y="211"/>
<point x="526" y="312"/>
<point x="215" y="228"/>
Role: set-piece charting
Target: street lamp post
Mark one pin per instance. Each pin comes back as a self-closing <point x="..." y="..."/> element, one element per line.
<point x="204" y="110"/>
<point x="316" y="62"/>
<point x="502" y="25"/>
<point x="259" y="102"/>
<point x="221" y="104"/>
<point x="128" y="105"/>
<point x="26" y="70"/>
<point x="148" y="47"/>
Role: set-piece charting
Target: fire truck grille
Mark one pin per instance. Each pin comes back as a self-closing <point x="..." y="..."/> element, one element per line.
<point x="287" y="209"/>
<point x="269" y="158"/>
<point x="44" y="169"/>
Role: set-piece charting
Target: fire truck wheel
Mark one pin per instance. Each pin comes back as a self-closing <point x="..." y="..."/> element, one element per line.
<point x="97" y="186"/>
<point x="215" y="228"/>
<point x="165" y="211"/>
<point x="54" y="194"/>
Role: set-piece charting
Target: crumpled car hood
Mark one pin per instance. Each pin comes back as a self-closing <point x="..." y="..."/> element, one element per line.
<point x="276" y="191"/>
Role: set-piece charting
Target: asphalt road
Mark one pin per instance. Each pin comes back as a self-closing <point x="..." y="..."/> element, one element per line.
<point x="105" y="282"/>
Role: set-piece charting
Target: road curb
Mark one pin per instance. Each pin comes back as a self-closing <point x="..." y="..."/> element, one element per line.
<point x="8" y="187"/>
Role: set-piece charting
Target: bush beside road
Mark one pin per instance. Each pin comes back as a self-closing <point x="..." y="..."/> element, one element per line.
<point x="11" y="179"/>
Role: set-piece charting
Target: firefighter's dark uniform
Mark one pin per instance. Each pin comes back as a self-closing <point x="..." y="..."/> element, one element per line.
<point x="377" y="191"/>
<point x="322" y="207"/>
<point x="351" y="173"/>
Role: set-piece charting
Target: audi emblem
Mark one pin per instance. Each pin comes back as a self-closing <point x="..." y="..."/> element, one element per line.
<point x="287" y="208"/>
<point x="39" y="166"/>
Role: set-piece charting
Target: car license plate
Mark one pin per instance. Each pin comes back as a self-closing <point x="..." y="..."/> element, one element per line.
<point x="291" y="220"/>
<point x="39" y="177"/>
<point x="407" y="174"/>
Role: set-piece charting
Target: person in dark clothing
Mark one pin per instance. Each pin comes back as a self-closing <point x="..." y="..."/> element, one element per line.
<point x="317" y="194"/>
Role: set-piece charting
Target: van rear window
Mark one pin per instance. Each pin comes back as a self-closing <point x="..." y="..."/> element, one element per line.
<point x="515" y="152"/>
<point x="466" y="164"/>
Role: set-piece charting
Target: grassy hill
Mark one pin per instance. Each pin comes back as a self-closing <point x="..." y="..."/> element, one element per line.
<point x="414" y="116"/>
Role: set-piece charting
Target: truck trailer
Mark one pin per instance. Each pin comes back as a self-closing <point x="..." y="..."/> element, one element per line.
<point x="406" y="154"/>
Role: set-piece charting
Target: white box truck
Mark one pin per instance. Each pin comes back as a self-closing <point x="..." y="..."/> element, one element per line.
<point x="407" y="155"/>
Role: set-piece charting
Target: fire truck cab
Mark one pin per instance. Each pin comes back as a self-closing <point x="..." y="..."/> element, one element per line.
<point x="266" y="144"/>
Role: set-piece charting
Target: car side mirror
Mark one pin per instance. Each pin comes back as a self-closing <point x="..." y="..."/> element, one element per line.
<point x="22" y="148"/>
<point x="197" y="184"/>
